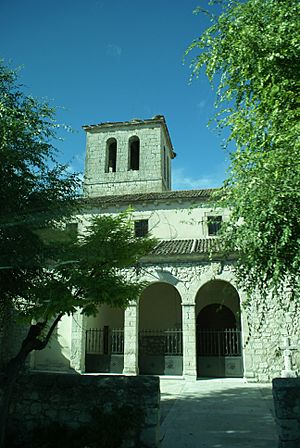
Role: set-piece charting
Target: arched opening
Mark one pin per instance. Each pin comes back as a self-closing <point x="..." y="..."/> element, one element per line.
<point x="219" y="349"/>
<point x="104" y="345"/>
<point x="160" y="330"/>
<point x="216" y="316"/>
<point x="134" y="154"/>
<point x="111" y="156"/>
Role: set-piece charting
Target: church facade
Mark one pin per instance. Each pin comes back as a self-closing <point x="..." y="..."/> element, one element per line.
<point x="190" y="320"/>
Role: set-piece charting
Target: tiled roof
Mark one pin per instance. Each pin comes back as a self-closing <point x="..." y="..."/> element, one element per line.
<point x="187" y="247"/>
<point x="180" y="195"/>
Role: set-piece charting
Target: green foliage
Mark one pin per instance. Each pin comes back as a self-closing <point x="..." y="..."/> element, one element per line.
<point x="44" y="269"/>
<point x="45" y="272"/>
<point x="251" y="53"/>
<point x="90" y="271"/>
<point x="35" y="190"/>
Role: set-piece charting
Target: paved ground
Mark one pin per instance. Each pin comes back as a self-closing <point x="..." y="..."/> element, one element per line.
<point x="215" y="413"/>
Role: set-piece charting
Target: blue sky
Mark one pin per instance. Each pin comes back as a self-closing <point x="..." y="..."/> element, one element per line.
<point x="117" y="60"/>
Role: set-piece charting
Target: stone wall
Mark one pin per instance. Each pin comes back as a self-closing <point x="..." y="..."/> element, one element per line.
<point x="286" y="393"/>
<point x="269" y="322"/>
<point x="264" y="323"/>
<point x="42" y="399"/>
<point x="149" y="177"/>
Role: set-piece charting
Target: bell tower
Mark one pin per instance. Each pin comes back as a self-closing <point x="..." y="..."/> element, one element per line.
<point x="128" y="157"/>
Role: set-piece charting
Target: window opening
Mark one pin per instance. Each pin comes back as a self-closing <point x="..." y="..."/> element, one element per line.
<point x="214" y="224"/>
<point x="134" y="153"/>
<point x="169" y="174"/>
<point x="165" y="163"/>
<point x="72" y="229"/>
<point x="141" y="227"/>
<point x="111" y="160"/>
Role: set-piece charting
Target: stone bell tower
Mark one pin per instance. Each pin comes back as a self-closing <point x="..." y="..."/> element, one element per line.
<point x="128" y="157"/>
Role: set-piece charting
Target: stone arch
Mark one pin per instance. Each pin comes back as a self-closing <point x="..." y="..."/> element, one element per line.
<point x="134" y="153"/>
<point x="218" y="333"/>
<point x="104" y="340"/>
<point x="160" y="330"/>
<point x="219" y="271"/>
<point x="160" y="306"/>
<point x="216" y="316"/>
<point x="222" y="293"/>
<point x="111" y="156"/>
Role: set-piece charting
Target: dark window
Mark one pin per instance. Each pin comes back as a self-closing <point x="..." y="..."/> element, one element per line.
<point x="214" y="224"/>
<point x="168" y="169"/>
<point x="111" y="156"/>
<point x="72" y="229"/>
<point x="165" y="163"/>
<point x="141" y="227"/>
<point x="134" y="154"/>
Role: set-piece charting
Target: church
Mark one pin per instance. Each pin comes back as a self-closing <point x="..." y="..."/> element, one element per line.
<point x="190" y="320"/>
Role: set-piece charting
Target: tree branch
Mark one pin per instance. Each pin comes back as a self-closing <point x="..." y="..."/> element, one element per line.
<point x="43" y="343"/>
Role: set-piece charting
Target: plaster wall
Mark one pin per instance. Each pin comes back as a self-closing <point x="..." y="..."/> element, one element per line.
<point x="107" y="316"/>
<point x="160" y="307"/>
<point x="56" y="356"/>
<point x="171" y="221"/>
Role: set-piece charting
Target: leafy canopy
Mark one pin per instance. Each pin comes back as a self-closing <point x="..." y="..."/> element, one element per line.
<point x="251" y="55"/>
<point x="44" y="269"/>
<point x="35" y="190"/>
<point x="91" y="270"/>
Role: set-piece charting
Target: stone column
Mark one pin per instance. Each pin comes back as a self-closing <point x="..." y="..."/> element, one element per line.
<point x="77" y="355"/>
<point x="131" y="336"/>
<point x="189" y="341"/>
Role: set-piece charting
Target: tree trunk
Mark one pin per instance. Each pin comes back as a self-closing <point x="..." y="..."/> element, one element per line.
<point x="15" y="365"/>
<point x="10" y="376"/>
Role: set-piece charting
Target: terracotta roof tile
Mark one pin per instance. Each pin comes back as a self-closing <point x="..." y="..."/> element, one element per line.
<point x="187" y="247"/>
<point x="203" y="194"/>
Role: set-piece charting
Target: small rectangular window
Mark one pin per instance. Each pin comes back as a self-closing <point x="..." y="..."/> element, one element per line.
<point x="72" y="229"/>
<point x="214" y="224"/>
<point x="141" y="227"/>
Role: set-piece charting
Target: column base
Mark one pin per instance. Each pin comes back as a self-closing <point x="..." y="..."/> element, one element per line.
<point x="288" y="374"/>
<point x="131" y="372"/>
<point x="190" y="376"/>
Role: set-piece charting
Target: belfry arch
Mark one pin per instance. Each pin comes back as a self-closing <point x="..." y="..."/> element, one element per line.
<point x="160" y="330"/>
<point x="111" y="156"/>
<point x="134" y="153"/>
<point x="218" y="330"/>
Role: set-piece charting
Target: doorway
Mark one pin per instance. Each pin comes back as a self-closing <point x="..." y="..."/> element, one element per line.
<point x="218" y="331"/>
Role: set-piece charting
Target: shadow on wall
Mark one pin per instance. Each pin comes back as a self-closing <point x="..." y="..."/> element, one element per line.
<point x="231" y="417"/>
<point x="55" y="356"/>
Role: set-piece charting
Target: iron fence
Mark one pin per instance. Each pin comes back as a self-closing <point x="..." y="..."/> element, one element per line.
<point x="160" y="342"/>
<point x="104" y="341"/>
<point x="225" y="342"/>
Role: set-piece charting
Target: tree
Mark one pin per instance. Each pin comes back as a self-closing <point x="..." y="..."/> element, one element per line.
<point x="251" y="53"/>
<point x="45" y="270"/>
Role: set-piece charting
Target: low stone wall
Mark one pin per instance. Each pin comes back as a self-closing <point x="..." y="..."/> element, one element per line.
<point x="286" y="394"/>
<point x="74" y="401"/>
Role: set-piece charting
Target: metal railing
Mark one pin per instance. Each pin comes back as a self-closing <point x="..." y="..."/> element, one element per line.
<point x="225" y="342"/>
<point x="160" y="342"/>
<point x="104" y="341"/>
